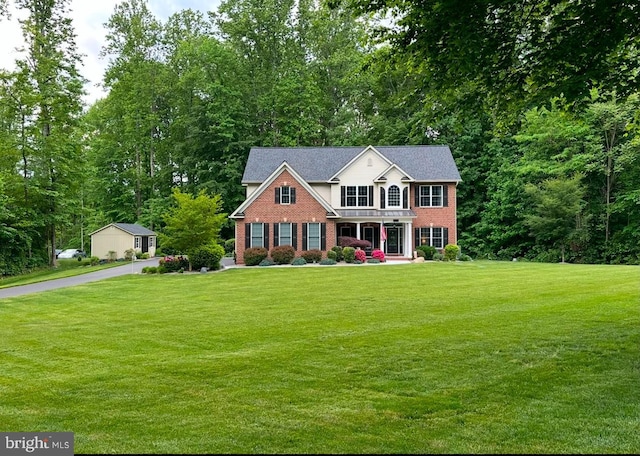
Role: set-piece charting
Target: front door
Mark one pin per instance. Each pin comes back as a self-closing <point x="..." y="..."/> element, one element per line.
<point x="368" y="236"/>
<point x="394" y="240"/>
<point x="145" y="244"/>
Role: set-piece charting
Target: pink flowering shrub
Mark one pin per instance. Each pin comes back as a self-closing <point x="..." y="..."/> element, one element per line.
<point x="361" y="256"/>
<point x="378" y="254"/>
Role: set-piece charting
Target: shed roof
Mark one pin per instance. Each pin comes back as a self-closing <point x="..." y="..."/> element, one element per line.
<point x="131" y="228"/>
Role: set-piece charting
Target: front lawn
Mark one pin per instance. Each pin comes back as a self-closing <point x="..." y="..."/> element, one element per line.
<point x="478" y="357"/>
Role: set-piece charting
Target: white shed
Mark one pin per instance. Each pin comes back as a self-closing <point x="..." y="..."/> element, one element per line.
<point x="119" y="237"/>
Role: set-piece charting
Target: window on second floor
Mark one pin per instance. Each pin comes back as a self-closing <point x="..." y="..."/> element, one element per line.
<point x="285" y="195"/>
<point x="393" y="196"/>
<point x="431" y="196"/>
<point x="356" y="196"/>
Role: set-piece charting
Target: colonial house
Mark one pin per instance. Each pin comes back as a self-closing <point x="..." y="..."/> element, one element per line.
<point x="396" y="197"/>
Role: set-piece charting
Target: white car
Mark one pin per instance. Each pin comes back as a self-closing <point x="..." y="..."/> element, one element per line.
<point x="71" y="253"/>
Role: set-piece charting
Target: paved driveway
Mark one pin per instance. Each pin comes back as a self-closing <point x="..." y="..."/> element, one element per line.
<point x="127" y="268"/>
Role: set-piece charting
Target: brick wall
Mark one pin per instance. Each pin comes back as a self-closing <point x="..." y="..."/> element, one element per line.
<point x="440" y="216"/>
<point x="264" y="210"/>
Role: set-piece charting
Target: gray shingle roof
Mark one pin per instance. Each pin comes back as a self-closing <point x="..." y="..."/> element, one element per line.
<point x="136" y="230"/>
<point x="319" y="164"/>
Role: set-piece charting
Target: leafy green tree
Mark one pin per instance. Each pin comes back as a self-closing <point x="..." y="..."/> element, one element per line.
<point x="46" y="93"/>
<point x="519" y="54"/>
<point x="557" y="211"/>
<point x="193" y="222"/>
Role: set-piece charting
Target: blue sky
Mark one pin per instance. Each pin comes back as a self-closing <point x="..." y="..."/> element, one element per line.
<point x="88" y="19"/>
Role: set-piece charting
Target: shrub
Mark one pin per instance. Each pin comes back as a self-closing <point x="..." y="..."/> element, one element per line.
<point x="438" y="257"/>
<point x="266" y="262"/>
<point x="312" y="256"/>
<point x="145" y="256"/>
<point x="360" y="256"/>
<point x="283" y="254"/>
<point x="349" y="254"/>
<point x="299" y="261"/>
<point x="206" y="256"/>
<point x="378" y="254"/>
<point x="111" y="256"/>
<point x="150" y="270"/>
<point x="254" y="255"/>
<point x="420" y="253"/>
<point x="332" y="255"/>
<point x="338" y="250"/>
<point x="94" y="260"/>
<point x="373" y="261"/>
<point x="451" y="252"/>
<point x="128" y="254"/>
<point x="174" y="264"/>
<point x="347" y="241"/>
<point x="229" y="246"/>
<point x="327" y="262"/>
<point x="464" y="257"/>
<point x="159" y="253"/>
<point x="428" y="251"/>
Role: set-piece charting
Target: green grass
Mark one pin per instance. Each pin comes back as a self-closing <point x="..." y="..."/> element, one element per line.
<point x="479" y="357"/>
<point x="65" y="268"/>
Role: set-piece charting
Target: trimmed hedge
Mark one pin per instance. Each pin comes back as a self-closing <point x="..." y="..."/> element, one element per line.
<point x="283" y="254"/>
<point x="254" y="255"/>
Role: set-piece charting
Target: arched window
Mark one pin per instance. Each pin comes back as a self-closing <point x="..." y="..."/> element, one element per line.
<point x="393" y="196"/>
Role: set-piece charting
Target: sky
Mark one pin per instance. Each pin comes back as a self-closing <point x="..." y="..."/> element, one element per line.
<point x="88" y="18"/>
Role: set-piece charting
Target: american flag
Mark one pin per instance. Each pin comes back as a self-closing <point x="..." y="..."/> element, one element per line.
<point x="383" y="232"/>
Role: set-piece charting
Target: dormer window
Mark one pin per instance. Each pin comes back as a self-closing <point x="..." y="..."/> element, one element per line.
<point x="285" y="195"/>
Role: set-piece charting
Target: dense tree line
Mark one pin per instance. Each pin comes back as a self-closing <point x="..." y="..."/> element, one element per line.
<point x="537" y="100"/>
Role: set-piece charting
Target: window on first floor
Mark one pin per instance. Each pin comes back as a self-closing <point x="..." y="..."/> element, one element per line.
<point x="432" y="235"/>
<point x="285" y="234"/>
<point x="136" y="242"/>
<point x="151" y="241"/>
<point x="256" y="235"/>
<point x="313" y="236"/>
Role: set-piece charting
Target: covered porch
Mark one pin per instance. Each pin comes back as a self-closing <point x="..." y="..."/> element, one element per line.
<point x="387" y="230"/>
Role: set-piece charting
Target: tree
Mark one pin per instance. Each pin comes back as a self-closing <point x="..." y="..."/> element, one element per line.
<point x="557" y="209"/>
<point x="193" y="222"/>
<point x="47" y="92"/>
<point x="516" y="54"/>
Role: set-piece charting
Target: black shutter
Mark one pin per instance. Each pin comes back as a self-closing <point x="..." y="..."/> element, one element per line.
<point x="292" y="195"/>
<point x="382" y="198"/>
<point x="445" y="236"/>
<point x="416" y="189"/>
<point x="445" y="195"/>
<point x="323" y="236"/>
<point x="304" y="237"/>
<point x="247" y="235"/>
<point x="370" y="196"/>
<point x="405" y="198"/>
<point x="294" y="235"/>
<point x="417" y="237"/>
<point x="276" y="234"/>
<point x="266" y="235"/>
<point x="277" y="195"/>
<point x="343" y="196"/>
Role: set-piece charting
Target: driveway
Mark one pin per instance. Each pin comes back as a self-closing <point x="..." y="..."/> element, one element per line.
<point x="125" y="269"/>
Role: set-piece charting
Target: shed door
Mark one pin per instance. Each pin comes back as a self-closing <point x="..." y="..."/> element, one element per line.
<point x="145" y="244"/>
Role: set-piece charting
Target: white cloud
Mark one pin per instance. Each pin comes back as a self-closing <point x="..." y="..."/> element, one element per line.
<point x="89" y="17"/>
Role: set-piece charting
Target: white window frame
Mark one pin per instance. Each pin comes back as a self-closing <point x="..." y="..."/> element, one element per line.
<point x="429" y="197"/>
<point x="285" y="240"/>
<point x="285" y="194"/>
<point x="434" y="236"/>
<point x="394" y="203"/>
<point x="254" y="236"/>
<point x="311" y="240"/>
